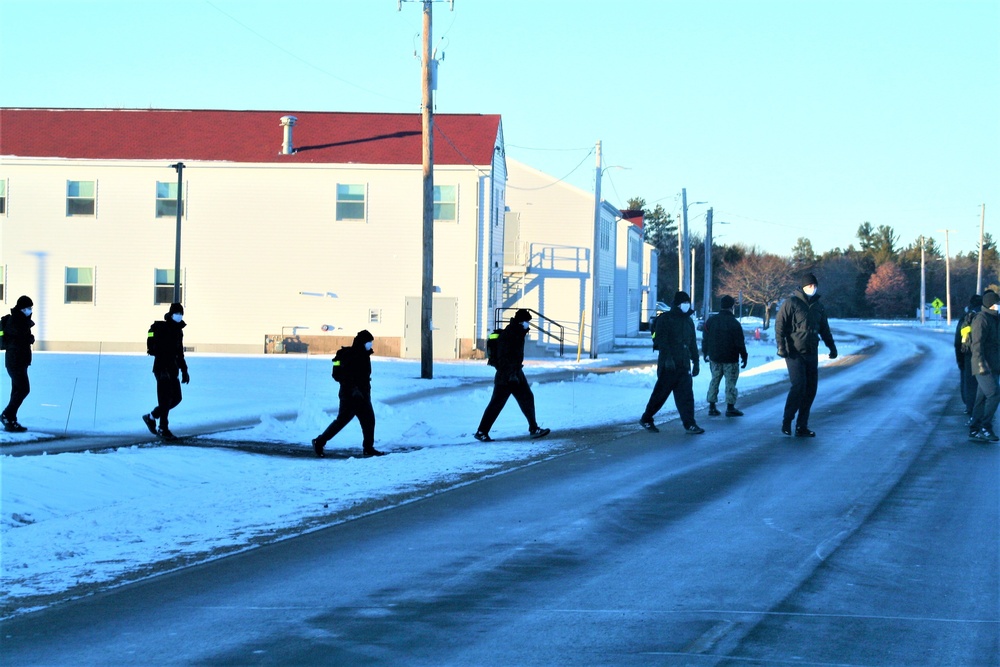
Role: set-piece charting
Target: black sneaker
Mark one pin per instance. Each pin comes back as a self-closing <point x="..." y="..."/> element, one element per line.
<point x="713" y="411"/>
<point x="166" y="434"/>
<point x="988" y="435"/>
<point x="733" y="412"/>
<point x="539" y="432"/>
<point x="482" y="437"/>
<point x="694" y="429"/>
<point x="649" y="425"/>
<point x="318" y="448"/>
<point x="11" y="425"/>
<point x="150" y="423"/>
<point x="786" y="428"/>
<point x="802" y="432"/>
<point x="976" y="434"/>
<point x="371" y="451"/>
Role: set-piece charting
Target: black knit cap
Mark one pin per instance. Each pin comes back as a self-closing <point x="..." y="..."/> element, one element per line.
<point x="808" y="279"/>
<point x="990" y="299"/>
<point x="727" y="302"/>
<point x="975" y="302"/>
<point x="681" y="297"/>
<point x="24" y="302"/>
<point x="176" y="308"/>
<point x="522" y="315"/>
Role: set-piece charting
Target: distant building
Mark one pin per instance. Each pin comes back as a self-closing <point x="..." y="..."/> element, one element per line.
<point x="292" y="223"/>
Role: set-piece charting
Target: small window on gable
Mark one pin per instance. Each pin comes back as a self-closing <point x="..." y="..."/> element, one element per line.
<point x="350" y="202"/>
<point x="166" y="200"/>
<point x="446" y="203"/>
<point x="3" y="197"/>
<point x="163" y="290"/>
<point x="79" y="284"/>
<point x="81" y="198"/>
<point x="374" y="315"/>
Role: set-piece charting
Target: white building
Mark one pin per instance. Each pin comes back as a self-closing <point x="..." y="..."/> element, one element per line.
<point x="548" y="250"/>
<point x="288" y="227"/>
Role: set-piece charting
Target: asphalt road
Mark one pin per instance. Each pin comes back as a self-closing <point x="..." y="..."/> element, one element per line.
<point x="875" y="543"/>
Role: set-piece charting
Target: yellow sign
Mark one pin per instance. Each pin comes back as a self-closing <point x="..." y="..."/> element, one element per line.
<point x="937" y="303"/>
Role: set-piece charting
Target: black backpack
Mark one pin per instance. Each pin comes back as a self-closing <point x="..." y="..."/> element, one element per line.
<point x="493" y="347"/>
<point x="151" y="339"/>
<point x="966" y="332"/>
<point x="341" y="361"/>
<point x="3" y="330"/>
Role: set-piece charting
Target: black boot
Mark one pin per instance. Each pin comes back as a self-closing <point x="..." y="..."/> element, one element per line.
<point x="713" y="411"/>
<point x="731" y="411"/>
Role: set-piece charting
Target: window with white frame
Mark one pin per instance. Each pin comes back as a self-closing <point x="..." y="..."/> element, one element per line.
<point x="350" y="201"/>
<point x="166" y="200"/>
<point x="445" y="203"/>
<point x="605" y="235"/>
<point x="163" y="288"/>
<point x="79" y="284"/>
<point x="374" y="315"/>
<point x="3" y="196"/>
<point x="81" y="198"/>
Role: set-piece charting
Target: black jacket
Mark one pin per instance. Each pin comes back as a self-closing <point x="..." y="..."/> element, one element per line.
<point x="986" y="342"/>
<point x="168" y="347"/>
<point x="722" y="339"/>
<point x="357" y="363"/>
<point x="510" y="350"/>
<point x="800" y="324"/>
<point x="18" y="339"/>
<point x="965" y="321"/>
<point x="674" y="338"/>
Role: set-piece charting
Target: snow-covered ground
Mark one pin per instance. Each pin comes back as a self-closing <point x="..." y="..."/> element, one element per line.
<point x="75" y="522"/>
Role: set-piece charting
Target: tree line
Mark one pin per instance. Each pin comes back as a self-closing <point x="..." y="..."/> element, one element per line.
<point x="877" y="278"/>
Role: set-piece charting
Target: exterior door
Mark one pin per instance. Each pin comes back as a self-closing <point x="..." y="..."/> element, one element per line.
<point x="444" y="323"/>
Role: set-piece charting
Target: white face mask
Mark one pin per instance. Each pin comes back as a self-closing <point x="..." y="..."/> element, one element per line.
<point x="810" y="290"/>
<point x="525" y="325"/>
<point x="368" y="345"/>
<point x="177" y="317"/>
<point x="26" y="311"/>
<point x="685" y="307"/>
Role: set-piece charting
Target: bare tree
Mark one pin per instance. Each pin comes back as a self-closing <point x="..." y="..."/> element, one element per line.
<point x="761" y="278"/>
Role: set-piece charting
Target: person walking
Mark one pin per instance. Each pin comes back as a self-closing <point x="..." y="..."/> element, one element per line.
<point x="677" y="362"/>
<point x="510" y="379"/>
<point x="800" y="325"/>
<point x="165" y="342"/>
<point x="985" y="343"/>
<point x="17" y="339"/>
<point x="352" y="368"/>
<point x="963" y="354"/>
<point x="722" y="345"/>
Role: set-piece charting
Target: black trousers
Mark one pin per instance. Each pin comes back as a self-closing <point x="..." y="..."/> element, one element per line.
<point x="168" y="397"/>
<point x="987" y="400"/>
<point x="969" y="384"/>
<point x="803" y="372"/>
<point x="20" y="387"/>
<point x="679" y="384"/>
<point x="353" y="404"/>
<point x="503" y="389"/>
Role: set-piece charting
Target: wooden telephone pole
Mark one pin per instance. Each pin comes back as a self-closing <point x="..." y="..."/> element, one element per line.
<point x="428" y="65"/>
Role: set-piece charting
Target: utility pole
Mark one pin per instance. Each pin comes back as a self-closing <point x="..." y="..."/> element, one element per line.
<point x="947" y="274"/>
<point x="179" y="166"/>
<point x="982" y="229"/>
<point x="923" y="284"/>
<point x="682" y="243"/>
<point x="707" y="308"/>
<point x="428" y="64"/>
<point x="595" y="301"/>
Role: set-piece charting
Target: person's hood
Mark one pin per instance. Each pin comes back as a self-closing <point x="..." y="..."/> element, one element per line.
<point x="363" y="337"/>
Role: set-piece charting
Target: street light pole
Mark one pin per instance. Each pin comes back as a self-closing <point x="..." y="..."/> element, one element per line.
<point x="179" y="166"/>
<point x="923" y="284"/>
<point x="947" y="274"/>
<point x="707" y="308"/>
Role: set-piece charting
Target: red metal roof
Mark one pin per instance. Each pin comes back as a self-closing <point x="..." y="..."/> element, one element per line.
<point x="244" y="136"/>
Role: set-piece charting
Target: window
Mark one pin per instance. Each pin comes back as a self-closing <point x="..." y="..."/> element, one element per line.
<point x="163" y="291"/>
<point x="3" y="197"/>
<point x="350" y="202"/>
<point x="446" y="203"/>
<point x="605" y="235"/>
<point x="374" y="315"/>
<point x="1" y="284"/>
<point x="81" y="198"/>
<point x="79" y="284"/>
<point x="166" y="200"/>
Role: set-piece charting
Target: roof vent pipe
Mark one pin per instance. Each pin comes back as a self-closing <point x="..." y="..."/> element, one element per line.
<point x="287" y="147"/>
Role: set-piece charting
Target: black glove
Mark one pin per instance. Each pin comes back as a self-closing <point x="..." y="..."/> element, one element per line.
<point x="743" y="364"/>
<point x="833" y="352"/>
<point x="782" y="351"/>
<point x="185" y="378"/>
<point x="696" y="369"/>
<point x="706" y="358"/>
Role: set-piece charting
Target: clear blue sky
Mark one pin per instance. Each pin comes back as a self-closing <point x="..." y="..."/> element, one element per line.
<point x="791" y="118"/>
